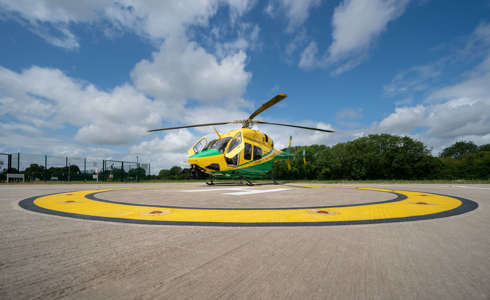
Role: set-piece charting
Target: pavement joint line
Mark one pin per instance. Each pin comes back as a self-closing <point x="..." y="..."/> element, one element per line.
<point x="401" y="209"/>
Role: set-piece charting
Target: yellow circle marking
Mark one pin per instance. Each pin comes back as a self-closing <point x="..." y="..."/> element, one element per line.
<point x="409" y="207"/>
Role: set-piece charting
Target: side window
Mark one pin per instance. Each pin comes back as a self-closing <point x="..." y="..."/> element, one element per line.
<point x="200" y="145"/>
<point x="257" y="152"/>
<point x="247" y="154"/>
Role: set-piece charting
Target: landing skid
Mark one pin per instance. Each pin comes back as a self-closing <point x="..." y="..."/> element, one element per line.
<point x="248" y="182"/>
<point x="242" y="179"/>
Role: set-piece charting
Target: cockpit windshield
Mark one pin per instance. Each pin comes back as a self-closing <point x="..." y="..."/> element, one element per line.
<point x="219" y="145"/>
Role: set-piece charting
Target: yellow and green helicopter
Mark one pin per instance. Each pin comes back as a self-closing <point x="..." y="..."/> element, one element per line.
<point x="245" y="153"/>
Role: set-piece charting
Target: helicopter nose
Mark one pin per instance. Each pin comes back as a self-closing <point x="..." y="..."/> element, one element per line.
<point x="208" y="159"/>
<point x="206" y="164"/>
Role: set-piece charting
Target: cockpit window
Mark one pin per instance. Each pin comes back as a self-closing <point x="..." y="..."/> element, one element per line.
<point x="220" y="144"/>
<point x="237" y="140"/>
<point x="210" y="144"/>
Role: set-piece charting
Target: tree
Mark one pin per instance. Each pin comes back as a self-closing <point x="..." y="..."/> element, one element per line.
<point x="485" y="147"/>
<point x="458" y="149"/>
<point x="164" y="174"/>
<point x="118" y="174"/>
<point x="35" y="171"/>
<point x="137" y="173"/>
<point x="175" y="171"/>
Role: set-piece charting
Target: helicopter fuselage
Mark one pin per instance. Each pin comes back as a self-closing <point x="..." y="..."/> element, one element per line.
<point x="241" y="152"/>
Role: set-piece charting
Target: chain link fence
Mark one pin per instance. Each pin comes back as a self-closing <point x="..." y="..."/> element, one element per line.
<point x="35" y="167"/>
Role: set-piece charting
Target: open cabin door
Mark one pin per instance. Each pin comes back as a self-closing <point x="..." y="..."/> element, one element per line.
<point x="198" y="146"/>
<point x="235" y="147"/>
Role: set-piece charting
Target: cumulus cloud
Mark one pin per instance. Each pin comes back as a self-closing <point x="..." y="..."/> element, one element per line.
<point x="48" y="98"/>
<point x="156" y="20"/>
<point x="404" y="120"/>
<point x="356" y="25"/>
<point x="181" y="70"/>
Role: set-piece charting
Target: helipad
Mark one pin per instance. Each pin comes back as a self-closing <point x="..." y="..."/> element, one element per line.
<point x="191" y="241"/>
<point x="405" y="206"/>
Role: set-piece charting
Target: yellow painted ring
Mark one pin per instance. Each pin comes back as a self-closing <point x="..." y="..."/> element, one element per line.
<point x="408" y="206"/>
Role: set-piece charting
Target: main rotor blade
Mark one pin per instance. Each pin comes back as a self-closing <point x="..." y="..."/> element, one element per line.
<point x="268" y="104"/>
<point x="195" y="125"/>
<point x="296" y="126"/>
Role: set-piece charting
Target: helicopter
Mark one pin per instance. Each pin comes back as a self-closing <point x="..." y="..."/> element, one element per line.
<point x="244" y="152"/>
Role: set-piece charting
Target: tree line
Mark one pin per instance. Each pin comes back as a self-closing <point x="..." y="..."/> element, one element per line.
<point x="384" y="156"/>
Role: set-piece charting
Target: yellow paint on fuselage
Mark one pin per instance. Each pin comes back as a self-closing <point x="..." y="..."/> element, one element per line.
<point x="250" y="136"/>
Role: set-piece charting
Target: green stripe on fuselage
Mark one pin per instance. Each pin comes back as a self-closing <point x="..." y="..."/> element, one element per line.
<point x="205" y="153"/>
<point x="255" y="170"/>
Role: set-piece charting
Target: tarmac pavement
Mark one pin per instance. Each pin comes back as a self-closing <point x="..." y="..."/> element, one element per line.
<point x="47" y="256"/>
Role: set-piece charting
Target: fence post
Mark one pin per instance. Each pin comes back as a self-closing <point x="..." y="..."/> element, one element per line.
<point x="122" y="169"/>
<point x="45" y="167"/>
<point x="66" y="165"/>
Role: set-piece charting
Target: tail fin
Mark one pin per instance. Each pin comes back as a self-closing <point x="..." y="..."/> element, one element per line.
<point x="288" y="161"/>
<point x="219" y="135"/>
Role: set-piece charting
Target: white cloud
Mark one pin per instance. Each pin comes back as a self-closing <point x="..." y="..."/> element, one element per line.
<point x="404" y="120"/>
<point x="165" y="152"/>
<point x="297" y="12"/>
<point x="182" y="70"/>
<point x="356" y="25"/>
<point x="424" y="78"/>
<point x="280" y="135"/>
<point x="308" y="57"/>
<point x="456" y="112"/>
<point x="20" y="138"/>
<point x="12" y="127"/>
<point x="247" y="38"/>
<point x="153" y="19"/>
<point x="182" y="82"/>
<point x="460" y="111"/>
<point x="48" y="98"/>
<point x="358" y="22"/>
<point x="415" y="79"/>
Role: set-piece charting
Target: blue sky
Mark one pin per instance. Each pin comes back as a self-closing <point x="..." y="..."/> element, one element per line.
<point x="89" y="78"/>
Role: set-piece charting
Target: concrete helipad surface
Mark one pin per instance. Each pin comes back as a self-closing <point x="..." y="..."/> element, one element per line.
<point x="195" y="241"/>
